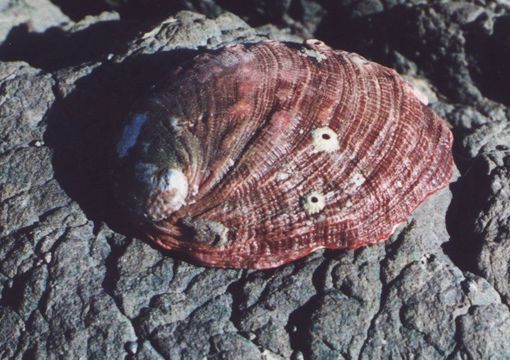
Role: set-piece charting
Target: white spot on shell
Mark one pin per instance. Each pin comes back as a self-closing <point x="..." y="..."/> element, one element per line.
<point x="173" y="179"/>
<point x="358" y="60"/>
<point x="282" y="176"/>
<point x="313" y="203"/>
<point x="358" y="179"/>
<point x="176" y="126"/>
<point x="421" y="89"/>
<point x="130" y="134"/>
<point x="313" y="54"/>
<point x="325" y="139"/>
<point x="168" y="190"/>
<point x="316" y="44"/>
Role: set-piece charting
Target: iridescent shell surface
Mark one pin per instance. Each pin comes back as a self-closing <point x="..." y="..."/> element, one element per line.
<point x="255" y="155"/>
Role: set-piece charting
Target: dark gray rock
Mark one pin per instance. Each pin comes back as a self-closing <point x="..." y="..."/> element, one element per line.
<point x="341" y="315"/>
<point x="492" y="224"/>
<point x="23" y="113"/>
<point x="188" y="30"/>
<point x="206" y="330"/>
<point x="76" y="284"/>
<point x="143" y="273"/>
<point x="484" y="342"/>
<point x="302" y="17"/>
<point x="483" y="228"/>
<point x="11" y="328"/>
<point x="267" y="306"/>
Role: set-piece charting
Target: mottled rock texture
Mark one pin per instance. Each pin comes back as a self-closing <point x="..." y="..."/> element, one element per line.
<point x="76" y="282"/>
<point x="29" y="15"/>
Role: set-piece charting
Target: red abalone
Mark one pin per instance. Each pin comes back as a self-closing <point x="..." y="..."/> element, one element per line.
<point x="257" y="154"/>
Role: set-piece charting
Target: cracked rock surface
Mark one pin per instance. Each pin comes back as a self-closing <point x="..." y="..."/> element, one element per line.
<point x="76" y="283"/>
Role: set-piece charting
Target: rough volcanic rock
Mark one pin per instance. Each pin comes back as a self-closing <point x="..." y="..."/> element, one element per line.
<point x="36" y="15"/>
<point x="76" y="282"/>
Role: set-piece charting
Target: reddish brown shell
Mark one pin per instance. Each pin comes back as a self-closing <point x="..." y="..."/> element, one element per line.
<point x="255" y="155"/>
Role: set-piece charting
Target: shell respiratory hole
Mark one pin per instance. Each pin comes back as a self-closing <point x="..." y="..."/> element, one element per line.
<point x="254" y="155"/>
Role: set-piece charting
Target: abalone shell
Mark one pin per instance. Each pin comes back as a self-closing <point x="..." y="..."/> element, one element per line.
<point x="257" y="154"/>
